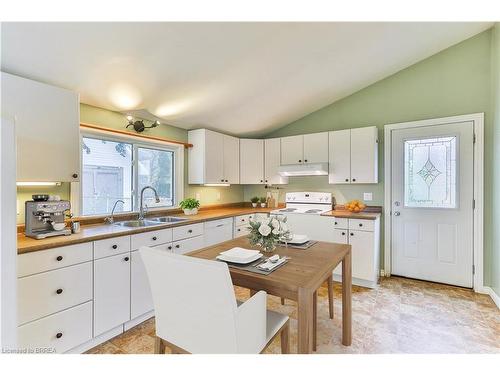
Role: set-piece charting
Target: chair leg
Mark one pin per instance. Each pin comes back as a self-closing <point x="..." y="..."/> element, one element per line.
<point x="159" y="346"/>
<point x="282" y="301"/>
<point x="315" y="320"/>
<point x="330" y="296"/>
<point x="285" y="338"/>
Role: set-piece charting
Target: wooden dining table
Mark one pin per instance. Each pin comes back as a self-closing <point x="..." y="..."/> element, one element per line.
<point x="298" y="280"/>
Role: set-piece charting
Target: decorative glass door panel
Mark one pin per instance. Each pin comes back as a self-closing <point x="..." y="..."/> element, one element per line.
<point x="430" y="172"/>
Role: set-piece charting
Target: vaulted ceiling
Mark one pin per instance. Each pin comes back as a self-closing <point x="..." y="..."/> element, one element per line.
<point x="240" y="78"/>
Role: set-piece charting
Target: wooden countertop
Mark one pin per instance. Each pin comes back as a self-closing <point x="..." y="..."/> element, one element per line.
<point x="94" y="232"/>
<point x="101" y="231"/>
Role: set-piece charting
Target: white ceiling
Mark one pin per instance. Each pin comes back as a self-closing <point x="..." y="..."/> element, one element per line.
<point x="240" y="78"/>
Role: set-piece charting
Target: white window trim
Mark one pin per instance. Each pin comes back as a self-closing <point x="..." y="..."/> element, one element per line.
<point x="178" y="172"/>
<point x="478" y="120"/>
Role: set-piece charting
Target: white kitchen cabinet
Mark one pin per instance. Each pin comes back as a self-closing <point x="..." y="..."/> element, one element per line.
<point x="61" y="331"/>
<point x="231" y="160"/>
<point x="340" y="157"/>
<point x="364" y="155"/>
<point x="47" y="129"/>
<point x="111" y="292"/>
<point x="217" y="231"/>
<point x="316" y="148"/>
<point x="214" y="158"/>
<point x="353" y="156"/>
<point x="292" y="149"/>
<point x="141" y="300"/>
<point x="307" y="148"/>
<point x="364" y="238"/>
<point x="272" y="162"/>
<point x="251" y="161"/>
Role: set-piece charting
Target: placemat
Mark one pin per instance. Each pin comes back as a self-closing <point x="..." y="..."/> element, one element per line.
<point x="251" y="267"/>
<point x="304" y="246"/>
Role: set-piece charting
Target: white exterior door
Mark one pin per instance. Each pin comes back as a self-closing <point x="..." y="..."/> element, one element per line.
<point x="432" y="203"/>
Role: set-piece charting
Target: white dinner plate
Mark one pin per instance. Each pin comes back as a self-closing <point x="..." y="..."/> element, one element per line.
<point x="240" y="261"/>
<point x="298" y="239"/>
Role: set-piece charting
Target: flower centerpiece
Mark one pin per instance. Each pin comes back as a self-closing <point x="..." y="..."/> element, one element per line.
<point x="190" y="206"/>
<point x="267" y="232"/>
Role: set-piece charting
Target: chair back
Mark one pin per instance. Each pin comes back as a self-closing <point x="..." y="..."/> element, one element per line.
<point x="195" y="306"/>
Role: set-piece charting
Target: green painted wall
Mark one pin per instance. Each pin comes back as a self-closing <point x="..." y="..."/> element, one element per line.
<point x="494" y="265"/>
<point x="453" y="82"/>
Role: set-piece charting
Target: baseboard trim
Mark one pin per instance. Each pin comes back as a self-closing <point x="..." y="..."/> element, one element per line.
<point x="96" y="340"/>
<point x="489" y="291"/>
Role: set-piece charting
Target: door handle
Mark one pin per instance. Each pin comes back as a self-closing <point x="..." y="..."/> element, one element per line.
<point x="397" y="213"/>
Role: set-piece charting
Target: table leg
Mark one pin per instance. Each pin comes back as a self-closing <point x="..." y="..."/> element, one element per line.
<point x="330" y="296"/>
<point x="305" y="320"/>
<point x="315" y="320"/>
<point x="346" y="300"/>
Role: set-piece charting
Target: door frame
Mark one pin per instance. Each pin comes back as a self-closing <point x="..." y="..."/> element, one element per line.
<point x="478" y="234"/>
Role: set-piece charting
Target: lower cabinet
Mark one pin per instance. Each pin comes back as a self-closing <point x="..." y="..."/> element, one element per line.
<point x="141" y="300"/>
<point x="111" y="292"/>
<point x="188" y="245"/>
<point x="218" y="231"/>
<point x="61" y="331"/>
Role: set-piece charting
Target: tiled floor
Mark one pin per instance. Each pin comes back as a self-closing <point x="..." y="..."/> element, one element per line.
<point x="400" y="316"/>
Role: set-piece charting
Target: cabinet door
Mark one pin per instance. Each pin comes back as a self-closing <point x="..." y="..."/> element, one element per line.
<point x="218" y="231"/>
<point x="231" y="160"/>
<point x="340" y="157"/>
<point x="186" y="246"/>
<point x="214" y="157"/>
<point x="362" y="254"/>
<point x="272" y="160"/>
<point x="47" y="129"/>
<point x="251" y="161"/>
<point x="316" y="148"/>
<point x="141" y="300"/>
<point x="364" y="155"/>
<point x="111" y="292"/>
<point x="292" y="150"/>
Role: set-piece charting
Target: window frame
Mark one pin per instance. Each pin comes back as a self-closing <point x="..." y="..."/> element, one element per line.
<point x="177" y="173"/>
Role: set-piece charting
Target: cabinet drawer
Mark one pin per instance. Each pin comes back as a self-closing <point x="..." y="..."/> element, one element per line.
<point x="191" y="244"/>
<point x="218" y="223"/>
<point x="61" y="331"/>
<point x="187" y="231"/>
<point x="364" y="225"/>
<point x="111" y="246"/>
<point x="152" y="238"/>
<point x="49" y="292"/>
<point x="241" y="231"/>
<point x="242" y="220"/>
<point x="340" y="223"/>
<point x="46" y="260"/>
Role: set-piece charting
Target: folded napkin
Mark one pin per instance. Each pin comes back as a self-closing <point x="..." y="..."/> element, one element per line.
<point x="268" y="266"/>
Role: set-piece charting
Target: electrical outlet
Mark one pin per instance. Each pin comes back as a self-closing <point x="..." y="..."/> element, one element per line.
<point x="217" y="196"/>
<point x="367" y="197"/>
<point x="197" y="196"/>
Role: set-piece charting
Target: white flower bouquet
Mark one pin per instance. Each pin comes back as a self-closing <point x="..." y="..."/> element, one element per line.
<point x="267" y="232"/>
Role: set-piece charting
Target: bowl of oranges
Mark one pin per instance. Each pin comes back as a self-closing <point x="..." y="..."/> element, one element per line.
<point x="355" y="206"/>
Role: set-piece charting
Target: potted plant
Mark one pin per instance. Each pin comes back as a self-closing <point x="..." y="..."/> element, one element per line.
<point x="254" y="201"/>
<point x="263" y="201"/>
<point x="267" y="232"/>
<point x="190" y="206"/>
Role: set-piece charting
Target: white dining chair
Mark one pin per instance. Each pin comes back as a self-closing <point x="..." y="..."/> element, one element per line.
<point x="196" y="310"/>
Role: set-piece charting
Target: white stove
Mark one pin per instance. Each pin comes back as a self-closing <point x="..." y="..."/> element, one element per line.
<point x="310" y="203"/>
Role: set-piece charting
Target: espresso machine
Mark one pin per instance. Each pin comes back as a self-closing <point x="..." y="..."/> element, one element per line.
<point x="46" y="218"/>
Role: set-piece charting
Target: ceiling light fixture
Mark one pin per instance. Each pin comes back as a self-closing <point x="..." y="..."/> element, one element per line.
<point x="139" y="126"/>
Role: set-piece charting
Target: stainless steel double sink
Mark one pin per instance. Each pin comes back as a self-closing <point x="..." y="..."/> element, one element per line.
<point x="151" y="222"/>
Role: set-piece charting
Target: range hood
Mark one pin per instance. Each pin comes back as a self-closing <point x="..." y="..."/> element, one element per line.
<point x="309" y="169"/>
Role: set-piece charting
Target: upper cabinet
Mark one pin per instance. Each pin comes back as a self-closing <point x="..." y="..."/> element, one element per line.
<point x="251" y="161"/>
<point x="214" y="158"/>
<point x="309" y="148"/>
<point x="47" y="128"/>
<point x="353" y="156"/>
<point x="272" y="160"/>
